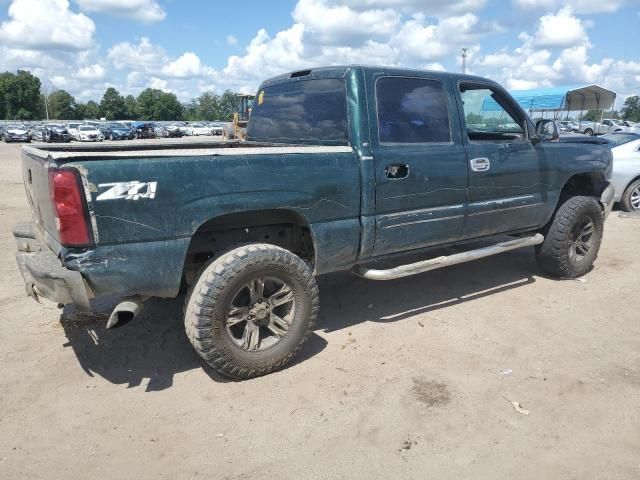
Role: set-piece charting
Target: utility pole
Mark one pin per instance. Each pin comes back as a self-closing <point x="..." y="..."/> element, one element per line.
<point x="464" y="60"/>
<point x="46" y="104"/>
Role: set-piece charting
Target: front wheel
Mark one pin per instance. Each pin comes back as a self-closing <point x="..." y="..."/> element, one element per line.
<point x="251" y="310"/>
<point x="588" y="132"/>
<point x="573" y="240"/>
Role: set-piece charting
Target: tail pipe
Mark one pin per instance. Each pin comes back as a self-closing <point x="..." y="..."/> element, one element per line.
<point x="126" y="310"/>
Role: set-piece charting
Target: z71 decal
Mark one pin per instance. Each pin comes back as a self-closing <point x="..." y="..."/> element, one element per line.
<point x="133" y="190"/>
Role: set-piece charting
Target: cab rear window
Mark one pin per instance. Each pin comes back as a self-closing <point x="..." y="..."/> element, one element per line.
<point x="308" y="111"/>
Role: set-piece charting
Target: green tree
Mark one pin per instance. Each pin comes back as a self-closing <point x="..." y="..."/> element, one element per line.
<point x="131" y="106"/>
<point x="209" y="106"/>
<point x="228" y="105"/>
<point x="592" y="116"/>
<point x="631" y="109"/>
<point x="62" y="105"/>
<point x="20" y="96"/>
<point x="88" y="111"/>
<point x="154" y="104"/>
<point x="112" y="105"/>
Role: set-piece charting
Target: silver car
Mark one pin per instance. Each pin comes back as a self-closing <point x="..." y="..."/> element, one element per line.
<point x="626" y="169"/>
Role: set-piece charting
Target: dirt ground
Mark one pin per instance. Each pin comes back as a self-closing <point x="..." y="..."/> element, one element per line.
<point x="413" y="378"/>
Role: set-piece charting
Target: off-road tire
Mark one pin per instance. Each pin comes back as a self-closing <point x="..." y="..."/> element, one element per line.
<point x="625" y="200"/>
<point x="208" y="300"/>
<point x="553" y="255"/>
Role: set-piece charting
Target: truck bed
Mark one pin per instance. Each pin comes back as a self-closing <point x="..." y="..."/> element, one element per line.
<point x="62" y="152"/>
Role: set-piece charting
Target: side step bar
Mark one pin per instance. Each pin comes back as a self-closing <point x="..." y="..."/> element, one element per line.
<point x="439" y="262"/>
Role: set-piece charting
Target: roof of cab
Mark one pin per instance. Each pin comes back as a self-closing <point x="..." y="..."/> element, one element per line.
<point x="339" y="71"/>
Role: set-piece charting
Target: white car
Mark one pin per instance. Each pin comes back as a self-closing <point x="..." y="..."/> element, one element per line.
<point x="626" y="169"/>
<point x="88" y="133"/>
<point x="199" y="129"/>
<point x="72" y="127"/>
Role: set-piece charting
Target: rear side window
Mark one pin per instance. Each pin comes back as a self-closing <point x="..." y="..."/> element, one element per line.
<point x="308" y="111"/>
<point x="412" y="110"/>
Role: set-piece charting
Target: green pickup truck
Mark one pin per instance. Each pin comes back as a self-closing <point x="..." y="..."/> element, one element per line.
<point x="345" y="168"/>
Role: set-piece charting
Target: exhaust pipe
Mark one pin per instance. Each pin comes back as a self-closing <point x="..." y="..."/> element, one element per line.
<point x="126" y="310"/>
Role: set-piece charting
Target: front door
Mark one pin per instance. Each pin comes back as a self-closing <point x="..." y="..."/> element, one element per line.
<point x="506" y="187"/>
<point x="420" y="162"/>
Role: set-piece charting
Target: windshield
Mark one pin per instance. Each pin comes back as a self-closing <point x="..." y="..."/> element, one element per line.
<point x="309" y="111"/>
<point x="15" y="126"/>
<point x="85" y="128"/>
<point x="621" y="138"/>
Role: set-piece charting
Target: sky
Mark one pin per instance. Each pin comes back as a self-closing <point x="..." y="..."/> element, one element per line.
<point x="189" y="47"/>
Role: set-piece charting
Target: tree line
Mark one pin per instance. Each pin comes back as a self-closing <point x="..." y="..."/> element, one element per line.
<point x="22" y="98"/>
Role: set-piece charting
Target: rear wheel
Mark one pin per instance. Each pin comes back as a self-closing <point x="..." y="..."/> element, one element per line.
<point x="589" y="132"/>
<point x="630" y="201"/>
<point x="251" y="310"/>
<point x="573" y="240"/>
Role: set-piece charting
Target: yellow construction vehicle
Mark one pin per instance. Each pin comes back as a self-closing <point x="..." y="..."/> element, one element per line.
<point x="237" y="130"/>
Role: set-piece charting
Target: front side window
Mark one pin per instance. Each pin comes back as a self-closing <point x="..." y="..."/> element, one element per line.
<point x="489" y="116"/>
<point x="412" y="110"/>
<point x="307" y="111"/>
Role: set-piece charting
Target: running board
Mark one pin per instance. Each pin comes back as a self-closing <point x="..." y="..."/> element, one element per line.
<point x="439" y="262"/>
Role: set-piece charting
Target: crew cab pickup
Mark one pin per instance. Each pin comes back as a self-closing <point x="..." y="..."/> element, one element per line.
<point x="345" y="168"/>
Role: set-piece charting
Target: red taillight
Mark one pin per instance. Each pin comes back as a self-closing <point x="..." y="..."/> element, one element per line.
<point x="69" y="208"/>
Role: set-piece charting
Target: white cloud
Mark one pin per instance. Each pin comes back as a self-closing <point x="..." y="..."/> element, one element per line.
<point x="91" y="72"/>
<point x="188" y="65"/>
<point x="339" y="24"/>
<point x="434" y="8"/>
<point x="582" y="6"/>
<point x="146" y="11"/>
<point x="46" y="25"/>
<point x="141" y="55"/>
<point x="231" y="40"/>
<point x="560" y="30"/>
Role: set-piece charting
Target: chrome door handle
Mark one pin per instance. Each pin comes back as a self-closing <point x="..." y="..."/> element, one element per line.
<point x="481" y="164"/>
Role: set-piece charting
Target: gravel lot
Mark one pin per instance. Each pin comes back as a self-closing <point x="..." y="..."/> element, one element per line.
<point x="413" y="378"/>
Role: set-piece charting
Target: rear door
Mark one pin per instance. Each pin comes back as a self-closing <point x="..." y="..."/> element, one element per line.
<point x="420" y="163"/>
<point x="507" y="191"/>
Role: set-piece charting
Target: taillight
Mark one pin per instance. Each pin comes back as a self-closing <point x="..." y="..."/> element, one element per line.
<point x="69" y="208"/>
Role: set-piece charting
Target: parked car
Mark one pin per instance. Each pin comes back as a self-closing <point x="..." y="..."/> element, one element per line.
<point x="72" y="128"/>
<point x="626" y="169"/>
<point x="199" y="129"/>
<point x="55" y="132"/>
<point x="143" y="130"/>
<point x="250" y="225"/>
<point x="216" y="128"/>
<point x="118" y="131"/>
<point x="569" y="126"/>
<point x="167" y="131"/>
<point x="16" y="133"/>
<point x="88" y="133"/>
<point x="37" y="133"/>
<point x="173" y="131"/>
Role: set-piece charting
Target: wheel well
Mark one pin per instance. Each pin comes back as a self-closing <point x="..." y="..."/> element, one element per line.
<point x="628" y="185"/>
<point x="590" y="184"/>
<point x="283" y="228"/>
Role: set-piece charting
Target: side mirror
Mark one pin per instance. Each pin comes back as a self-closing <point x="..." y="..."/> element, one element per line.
<point x="547" y="131"/>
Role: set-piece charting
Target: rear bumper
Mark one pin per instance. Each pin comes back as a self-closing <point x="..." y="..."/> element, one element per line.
<point x="43" y="274"/>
